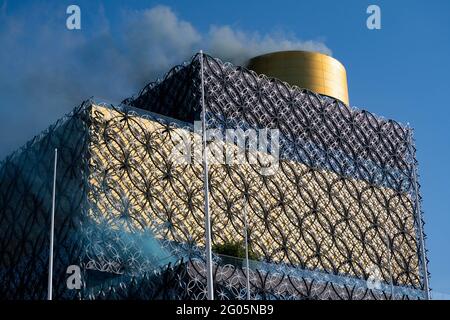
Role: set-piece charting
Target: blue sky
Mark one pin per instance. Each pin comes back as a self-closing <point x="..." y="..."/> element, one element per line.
<point x="401" y="71"/>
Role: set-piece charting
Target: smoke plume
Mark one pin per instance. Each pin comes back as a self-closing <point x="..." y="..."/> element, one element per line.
<point x="46" y="70"/>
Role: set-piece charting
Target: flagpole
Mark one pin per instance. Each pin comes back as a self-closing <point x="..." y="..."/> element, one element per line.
<point x="388" y="244"/>
<point x="246" y="249"/>
<point x="52" y="231"/>
<point x="209" y="270"/>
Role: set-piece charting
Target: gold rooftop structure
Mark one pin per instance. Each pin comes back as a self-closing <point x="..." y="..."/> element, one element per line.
<point x="310" y="70"/>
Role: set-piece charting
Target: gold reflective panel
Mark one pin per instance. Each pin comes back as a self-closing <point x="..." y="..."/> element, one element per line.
<point x="310" y="70"/>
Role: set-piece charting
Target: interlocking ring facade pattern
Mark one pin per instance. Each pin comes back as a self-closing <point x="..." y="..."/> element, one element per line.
<point x="26" y="178"/>
<point x="360" y="172"/>
<point x="179" y="207"/>
<point x="343" y="199"/>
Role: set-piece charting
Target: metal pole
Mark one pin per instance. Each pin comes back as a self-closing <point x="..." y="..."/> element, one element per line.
<point x="388" y="244"/>
<point x="209" y="270"/>
<point x="418" y="216"/>
<point x="52" y="231"/>
<point x="246" y="249"/>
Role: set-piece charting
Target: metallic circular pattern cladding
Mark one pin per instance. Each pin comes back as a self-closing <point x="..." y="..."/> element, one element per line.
<point x="343" y="203"/>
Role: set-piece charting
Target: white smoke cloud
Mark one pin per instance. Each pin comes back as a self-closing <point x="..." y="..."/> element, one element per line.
<point x="158" y="33"/>
<point x="46" y="70"/>
<point x="156" y="39"/>
<point x="237" y="46"/>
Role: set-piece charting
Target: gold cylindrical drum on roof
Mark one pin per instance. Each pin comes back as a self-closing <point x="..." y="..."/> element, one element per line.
<point x="310" y="70"/>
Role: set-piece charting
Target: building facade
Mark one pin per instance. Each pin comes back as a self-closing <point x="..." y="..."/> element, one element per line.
<point x="338" y="217"/>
